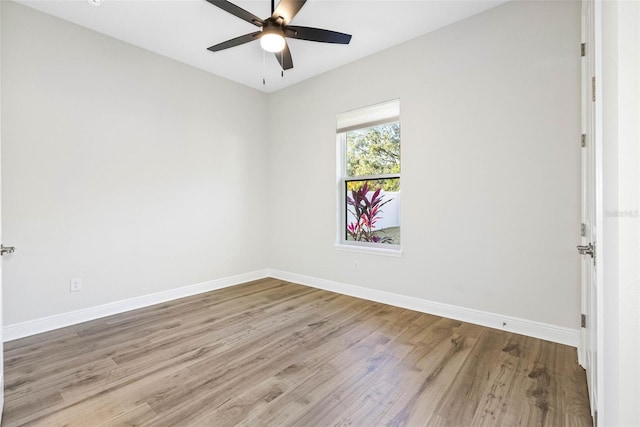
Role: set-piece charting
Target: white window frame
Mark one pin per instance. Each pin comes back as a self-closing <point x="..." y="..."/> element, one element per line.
<point x="384" y="113"/>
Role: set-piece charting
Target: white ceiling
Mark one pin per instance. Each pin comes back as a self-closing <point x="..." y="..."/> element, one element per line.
<point x="183" y="29"/>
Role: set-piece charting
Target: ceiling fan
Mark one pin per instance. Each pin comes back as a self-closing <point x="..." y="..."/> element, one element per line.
<point x="275" y="28"/>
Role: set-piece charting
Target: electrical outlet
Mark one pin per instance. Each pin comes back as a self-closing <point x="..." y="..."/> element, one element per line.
<point x="233" y="259"/>
<point x="75" y="284"/>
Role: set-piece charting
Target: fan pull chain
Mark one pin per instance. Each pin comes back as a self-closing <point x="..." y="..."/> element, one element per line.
<point x="264" y="68"/>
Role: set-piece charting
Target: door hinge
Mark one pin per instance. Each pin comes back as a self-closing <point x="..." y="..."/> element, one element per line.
<point x="583" y="140"/>
<point x="593" y="88"/>
<point x="583" y="49"/>
<point x="583" y="229"/>
<point x="583" y="320"/>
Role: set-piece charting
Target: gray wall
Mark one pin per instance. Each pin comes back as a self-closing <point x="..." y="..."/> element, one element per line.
<point x="132" y="171"/>
<point x="490" y="120"/>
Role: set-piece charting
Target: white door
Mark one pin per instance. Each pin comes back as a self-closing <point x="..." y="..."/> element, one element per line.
<point x="592" y="210"/>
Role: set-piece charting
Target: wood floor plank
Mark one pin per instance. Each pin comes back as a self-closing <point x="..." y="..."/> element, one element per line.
<point x="273" y="353"/>
<point x="460" y="402"/>
<point x="251" y="366"/>
<point x="438" y="368"/>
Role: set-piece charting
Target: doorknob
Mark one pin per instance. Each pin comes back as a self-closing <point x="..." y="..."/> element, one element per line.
<point x="6" y="249"/>
<point x="587" y="250"/>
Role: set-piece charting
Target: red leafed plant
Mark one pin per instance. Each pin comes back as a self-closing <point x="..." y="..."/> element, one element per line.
<point x="367" y="212"/>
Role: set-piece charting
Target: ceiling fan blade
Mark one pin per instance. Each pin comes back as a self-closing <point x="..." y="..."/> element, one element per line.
<point x="238" y="11"/>
<point x="287" y="9"/>
<point x="235" y="42"/>
<point x="284" y="57"/>
<point x="317" y="35"/>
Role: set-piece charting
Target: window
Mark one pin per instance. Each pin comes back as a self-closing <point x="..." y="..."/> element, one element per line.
<point x="369" y="177"/>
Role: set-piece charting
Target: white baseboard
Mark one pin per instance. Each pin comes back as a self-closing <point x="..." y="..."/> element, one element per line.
<point x="557" y="334"/>
<point x="44" y="324"/>
<point x="530" y="328"/>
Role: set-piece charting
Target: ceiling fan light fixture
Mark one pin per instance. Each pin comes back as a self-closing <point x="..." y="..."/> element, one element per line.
<point x="272" y="41"/>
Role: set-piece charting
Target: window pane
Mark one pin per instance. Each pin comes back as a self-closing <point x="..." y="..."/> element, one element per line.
<point x="374" y="150"/>
<point x="373" y="211"/>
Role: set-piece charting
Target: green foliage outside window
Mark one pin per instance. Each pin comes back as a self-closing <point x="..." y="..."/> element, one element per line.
<point x="374" y="151"/>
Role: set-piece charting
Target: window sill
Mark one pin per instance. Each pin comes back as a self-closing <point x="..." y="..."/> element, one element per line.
<point x="369" y="250"/>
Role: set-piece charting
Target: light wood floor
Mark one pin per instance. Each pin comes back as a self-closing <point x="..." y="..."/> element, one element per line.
<point x="272" y="353"/>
